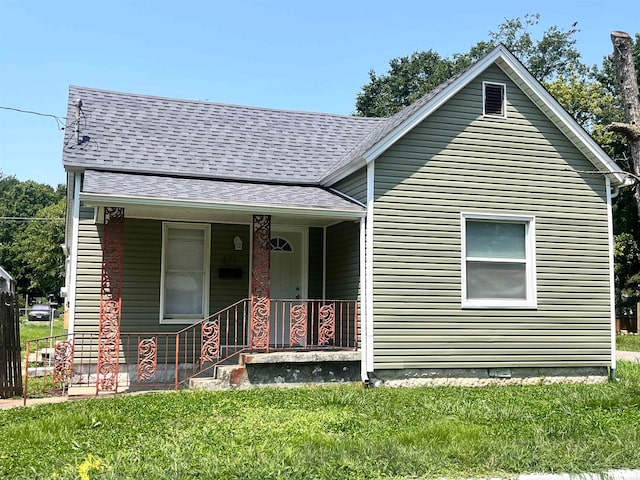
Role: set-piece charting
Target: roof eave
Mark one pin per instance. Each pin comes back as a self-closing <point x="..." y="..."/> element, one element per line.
<point x="103" y="200"/>
<point x="343" y="172"/>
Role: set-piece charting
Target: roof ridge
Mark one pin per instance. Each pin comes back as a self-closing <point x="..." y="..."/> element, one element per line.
<point x="223" y="104"/>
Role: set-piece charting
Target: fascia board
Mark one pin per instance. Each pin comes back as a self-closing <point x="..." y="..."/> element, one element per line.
<point x="98" y="200"/>
<point x="6" y="274"/>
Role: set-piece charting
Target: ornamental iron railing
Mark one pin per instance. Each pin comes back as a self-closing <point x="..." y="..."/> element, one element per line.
<point x="151" y="360"/>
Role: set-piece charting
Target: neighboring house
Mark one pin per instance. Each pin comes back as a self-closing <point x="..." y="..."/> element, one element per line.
<point x="7" y="282"/>
<point x="473" y="228"/>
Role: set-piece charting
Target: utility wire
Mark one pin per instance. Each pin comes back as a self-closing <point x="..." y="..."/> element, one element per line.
<point x="31" y="219"/>
<point x="61" y="121"/>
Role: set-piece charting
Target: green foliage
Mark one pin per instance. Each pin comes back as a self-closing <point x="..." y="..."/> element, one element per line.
<point x="33" y="330"/>
<point x="30" y="251"/>
<point x="408" y="79"/>
<point x="627" y="265"/>
<point x="342" y="432"/>
<point x="629" y="343"/>
<point x="588" y="102"/>
<point x="551" y="56"/>
<point x="38" y="245"/>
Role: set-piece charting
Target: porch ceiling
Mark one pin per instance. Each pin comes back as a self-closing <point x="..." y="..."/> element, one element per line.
<point x="152" y="196"/>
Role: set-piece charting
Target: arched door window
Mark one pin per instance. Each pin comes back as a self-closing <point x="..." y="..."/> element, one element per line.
<point x="279" y="244"/>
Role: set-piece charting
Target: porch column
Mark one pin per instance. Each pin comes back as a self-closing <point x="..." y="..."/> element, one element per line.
<point x="110" y="300"/>
<point x="260" y="282"/>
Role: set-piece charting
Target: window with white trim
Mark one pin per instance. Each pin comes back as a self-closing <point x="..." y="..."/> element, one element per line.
<point x="184" y="284"/>
<point x="494" y="97"/>
<point x="498" y="261"/>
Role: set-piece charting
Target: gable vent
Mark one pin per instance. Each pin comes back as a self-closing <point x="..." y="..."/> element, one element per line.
<point x="494" y="96"/>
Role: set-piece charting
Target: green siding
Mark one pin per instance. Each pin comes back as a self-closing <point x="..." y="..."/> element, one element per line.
<point x="141" y="277"/>
<point x="89" y="273"/>
<point x="355" y="185"/>
<point x="457" y="161"/>
<point x="316" y="256"/>
<point x="343" y="261"/>
<point x="141" y="273"/>
<point x="225" y="291"/>
<point x="343" y="244"/>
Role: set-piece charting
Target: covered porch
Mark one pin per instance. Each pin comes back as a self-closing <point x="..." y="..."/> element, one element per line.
<point x="280" y="275"/>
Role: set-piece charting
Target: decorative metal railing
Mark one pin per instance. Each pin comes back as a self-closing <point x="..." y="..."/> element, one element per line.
<point x="170" y="360"/>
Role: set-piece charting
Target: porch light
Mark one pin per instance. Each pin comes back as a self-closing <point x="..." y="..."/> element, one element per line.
<point x="237" y="243"/>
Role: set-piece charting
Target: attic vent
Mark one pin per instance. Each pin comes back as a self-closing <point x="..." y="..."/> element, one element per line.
<point x="494" y="99"/>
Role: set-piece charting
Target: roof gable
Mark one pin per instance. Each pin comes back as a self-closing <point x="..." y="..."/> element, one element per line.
<point x="388" y="133"/>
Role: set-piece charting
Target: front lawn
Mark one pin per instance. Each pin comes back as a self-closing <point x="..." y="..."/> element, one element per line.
<point x="330" y="433"/>
<point x="629" y="342"/>
<point x="33" y="330"/>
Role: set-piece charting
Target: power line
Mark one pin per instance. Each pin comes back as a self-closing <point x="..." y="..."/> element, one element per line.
<point x="32" y="219"/>
<point x="61" y="121"/>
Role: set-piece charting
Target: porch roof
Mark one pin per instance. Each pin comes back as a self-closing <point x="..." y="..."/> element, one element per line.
<point x="130" y="189"/>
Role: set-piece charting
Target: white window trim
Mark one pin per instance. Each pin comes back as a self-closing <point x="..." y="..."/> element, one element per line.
<point x="504" y="100"/>
<point x="531" y="302"/>
<point x="187" y="319"/>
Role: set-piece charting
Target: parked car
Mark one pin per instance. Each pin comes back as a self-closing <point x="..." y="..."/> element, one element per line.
<point x="40" y="312"/>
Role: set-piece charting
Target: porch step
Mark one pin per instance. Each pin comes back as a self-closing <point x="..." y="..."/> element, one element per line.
<point x="291" y="368"/>
<point x="227" y="376"/>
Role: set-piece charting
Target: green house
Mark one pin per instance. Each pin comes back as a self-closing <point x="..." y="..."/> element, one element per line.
<point x="469" y="235"/>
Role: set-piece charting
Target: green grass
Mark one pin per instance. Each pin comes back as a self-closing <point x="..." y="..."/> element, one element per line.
<point x="342" y="432"/>
<point x="630" y="343"/>
<point x="33" y="330"/>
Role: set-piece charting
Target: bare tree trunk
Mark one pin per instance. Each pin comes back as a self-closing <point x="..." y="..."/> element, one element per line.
<point x="622" y="57"/>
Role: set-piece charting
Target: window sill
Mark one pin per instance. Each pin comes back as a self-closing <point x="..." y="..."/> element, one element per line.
<point x="180" y="321"/>
<point x="498" y="305"/>
<point x="488" y="115"/>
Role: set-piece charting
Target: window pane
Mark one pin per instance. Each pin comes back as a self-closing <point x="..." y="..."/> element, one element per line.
<point x="495" y="240"/>
<point x="185" y="249"/>
<point x="183" y="293"/>
<point x="496" y="280"/>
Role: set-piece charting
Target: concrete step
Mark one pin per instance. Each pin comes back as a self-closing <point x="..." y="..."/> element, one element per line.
<point x="208" y="383"/>
<point x="226" y="376"/>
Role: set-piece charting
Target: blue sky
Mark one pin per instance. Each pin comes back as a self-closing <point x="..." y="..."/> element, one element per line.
<point x="300" y="55"/>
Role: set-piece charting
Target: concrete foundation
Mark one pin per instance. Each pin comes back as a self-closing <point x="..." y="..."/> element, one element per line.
<point x="301" y="367"/>
<point x="478" y="377"/>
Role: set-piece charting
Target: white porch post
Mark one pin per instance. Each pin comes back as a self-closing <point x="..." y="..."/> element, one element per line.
<point x="363" y="302"/>
<point x="73" y="264"/>
<point x="612" y="287"/>
<point x="369" y="267"/>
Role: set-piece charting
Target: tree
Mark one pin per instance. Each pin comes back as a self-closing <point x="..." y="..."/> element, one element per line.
<point x="38" y="247"/>
<point x="627" y="265"/>
<point x="410" y="77"/>
<point x="623" y="59"/>
<point x="20" y="201"/>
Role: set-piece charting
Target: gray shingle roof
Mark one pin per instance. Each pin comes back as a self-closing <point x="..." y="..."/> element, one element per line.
<point x="216" y="191"/>
<point x="140" y="133"/>
<point x="387" y="126"/>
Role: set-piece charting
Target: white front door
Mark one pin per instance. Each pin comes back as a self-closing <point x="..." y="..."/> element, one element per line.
<point x="286" y="281"/>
